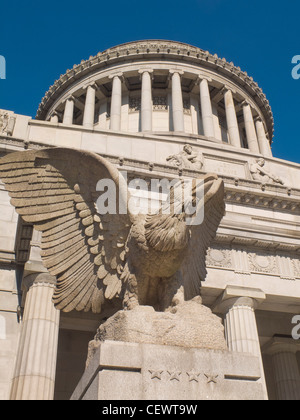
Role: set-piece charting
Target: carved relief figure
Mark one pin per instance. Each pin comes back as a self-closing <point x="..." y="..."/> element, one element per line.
<point x="4" y="118"/>
<point x="259" y="173"/>
<point x="109" y="260"/>
<point x="7" y="123"/>
<point x="187" y="159"/>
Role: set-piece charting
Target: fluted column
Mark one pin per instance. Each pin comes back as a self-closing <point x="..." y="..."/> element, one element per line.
<point x="36" y="359"/>
<point x="263" y="142"/>
<point x="232" y="124"/>
<point x="206" y="109"/>
<point x="69" y="111"/>
<point x="146" y="100"/>
<point x="240" y="326"/>
<point x="250" y="128"/>
<point x="89" y="108"/>
<point x="177" y="103"/>
<point x="238" y="306"/>
<point x="285" y="367"/>
<point x="116" y="102"/>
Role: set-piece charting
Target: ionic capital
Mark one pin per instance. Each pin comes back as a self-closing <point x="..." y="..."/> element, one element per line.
<point x="244" y="103"/>
<point x="70" y="98"/>
<point x="175" y="71"/>
<point x="147" y="70"/>
<point x="92" y="85"/>
<point x="200" y="78"/>
<point x="226" y="89"/>
<point x="120" y="75"/>
<point x="257" y="119"/>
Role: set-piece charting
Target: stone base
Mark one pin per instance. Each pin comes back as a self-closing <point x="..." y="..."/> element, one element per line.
<point x="188" y="324"/>
<point x="135" y="371"/>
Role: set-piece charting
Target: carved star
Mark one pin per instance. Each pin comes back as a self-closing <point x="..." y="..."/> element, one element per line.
<point x="211" y="378"/>
<point x="156" y="374"/>
<point x="174" y="375"/>
<point x="193" y="376"/>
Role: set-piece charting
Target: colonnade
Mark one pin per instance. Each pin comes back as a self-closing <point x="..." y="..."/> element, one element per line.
<point x="256" y="137"/>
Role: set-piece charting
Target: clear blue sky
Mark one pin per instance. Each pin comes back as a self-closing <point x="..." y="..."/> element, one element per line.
<point x="41" y="40"/>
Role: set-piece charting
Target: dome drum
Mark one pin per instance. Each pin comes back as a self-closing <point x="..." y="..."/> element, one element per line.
<point x="163" y="91"/>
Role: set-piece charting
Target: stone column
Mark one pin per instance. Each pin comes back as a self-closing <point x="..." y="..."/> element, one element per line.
<point x="286" y="372"/>
<point x="69" y="111"/>
<point x="146" y="100"/>
<point x="263" y="142"/>
<point x="89" y="108"/>
<point x="232" y="124"/>
<point x="36" y="359"/>
<point x="206" y="109"/>
<point x="250" y="128"/>
<point x="177" y="103"/>
<point x="116" y="102"/>
<point x="238" y="306"/>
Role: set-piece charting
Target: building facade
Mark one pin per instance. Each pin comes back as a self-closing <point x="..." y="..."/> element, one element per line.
<point x="160" y="109"/>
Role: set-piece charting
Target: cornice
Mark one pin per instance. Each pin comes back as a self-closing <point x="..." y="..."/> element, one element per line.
<point x="158" y="49"/>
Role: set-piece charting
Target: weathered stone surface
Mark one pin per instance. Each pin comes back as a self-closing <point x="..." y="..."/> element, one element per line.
<point x="189" y="325"/>
<point x="132" y="371"/>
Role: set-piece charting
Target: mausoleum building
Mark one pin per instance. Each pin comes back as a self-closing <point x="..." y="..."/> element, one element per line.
<point x="160" y="109"/>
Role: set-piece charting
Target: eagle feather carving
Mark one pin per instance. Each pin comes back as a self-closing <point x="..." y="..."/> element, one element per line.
<point x="106" y="258"/>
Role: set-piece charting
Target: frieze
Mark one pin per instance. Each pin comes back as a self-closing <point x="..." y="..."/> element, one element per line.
<point x="253" y="260"/>
<point x="219" y="257"/>
<point x="296" y="265"/>
<point x="262" y="263"/>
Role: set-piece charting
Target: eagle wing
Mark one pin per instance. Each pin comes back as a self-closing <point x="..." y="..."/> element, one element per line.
<point x="56" y="190"/>
<point x="212" y="206"/>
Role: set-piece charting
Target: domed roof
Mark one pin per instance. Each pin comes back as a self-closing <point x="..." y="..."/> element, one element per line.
<point x="158" y="50"/>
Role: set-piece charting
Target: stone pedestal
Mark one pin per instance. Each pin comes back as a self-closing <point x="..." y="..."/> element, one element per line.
<point x="135" y="371"/>
<point x="189" y="324"/>
<point x="180" y="354"/>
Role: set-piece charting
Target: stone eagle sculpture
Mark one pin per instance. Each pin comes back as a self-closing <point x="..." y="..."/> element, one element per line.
<point x="100" y="259"/>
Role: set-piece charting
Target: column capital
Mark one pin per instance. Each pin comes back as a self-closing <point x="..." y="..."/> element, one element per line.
<point x="258" y="119"/>
<point x="119" y="74"/>
<point x="174" y="71"/>
<point x="35" y="278"/>
<point x="238" y="296"/>
<point x="70" y="98"/>
<point x="228" y="89"/>
<point x="245" y="103"/>
<point x="55" y="114"/>
<point x="281" y="345"/>
<point x="147" y="70"/>
<point x="200" y="78"/>
<point x="92" y="85"/>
